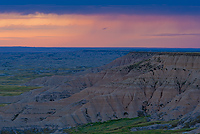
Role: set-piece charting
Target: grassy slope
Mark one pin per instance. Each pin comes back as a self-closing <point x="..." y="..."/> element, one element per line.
<point x="3" y="104"/>
<point x="13" y="90"/>
<point x="121" y="126"/>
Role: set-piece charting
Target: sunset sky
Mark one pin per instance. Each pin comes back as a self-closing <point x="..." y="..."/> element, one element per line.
<point x="100" y="23"/>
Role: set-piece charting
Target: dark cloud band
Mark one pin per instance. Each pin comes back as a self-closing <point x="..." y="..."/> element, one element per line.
<point x="102" y="2"/>
<point x="102" y="9"/>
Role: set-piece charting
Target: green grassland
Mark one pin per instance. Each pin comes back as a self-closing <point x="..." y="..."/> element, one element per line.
<point x="13" y="90"/>
<point x="20" y="78"/>
<point x="3" y="104"/>
<point x="123" y="126"/>
<point x="120" y="126"/>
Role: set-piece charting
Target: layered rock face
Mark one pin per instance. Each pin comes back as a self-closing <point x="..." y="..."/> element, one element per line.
<point x="163" y="85"/>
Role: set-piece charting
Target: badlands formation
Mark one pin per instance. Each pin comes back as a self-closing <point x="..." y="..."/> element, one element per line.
<point x="163" y="86"/>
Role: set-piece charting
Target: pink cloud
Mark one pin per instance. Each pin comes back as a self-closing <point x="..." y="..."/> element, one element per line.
<point x="99" y="30"/>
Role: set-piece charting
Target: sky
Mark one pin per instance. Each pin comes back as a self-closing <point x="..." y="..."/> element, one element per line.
<point x="100" y="23"/>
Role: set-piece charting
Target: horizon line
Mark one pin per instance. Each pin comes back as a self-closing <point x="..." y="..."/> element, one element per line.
<point x="98" y="47"/>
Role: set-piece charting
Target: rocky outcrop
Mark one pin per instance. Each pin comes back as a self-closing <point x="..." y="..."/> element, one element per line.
<point x="163" y="85"/>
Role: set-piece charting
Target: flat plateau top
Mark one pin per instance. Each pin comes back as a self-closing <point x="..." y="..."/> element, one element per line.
<point x="170" y="53"/>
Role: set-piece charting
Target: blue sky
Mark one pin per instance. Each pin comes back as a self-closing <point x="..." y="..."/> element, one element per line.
<point x="185" y="7"/>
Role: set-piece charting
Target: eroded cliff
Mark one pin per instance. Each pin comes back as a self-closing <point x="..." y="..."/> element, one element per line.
<point x="165" y="86"/>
